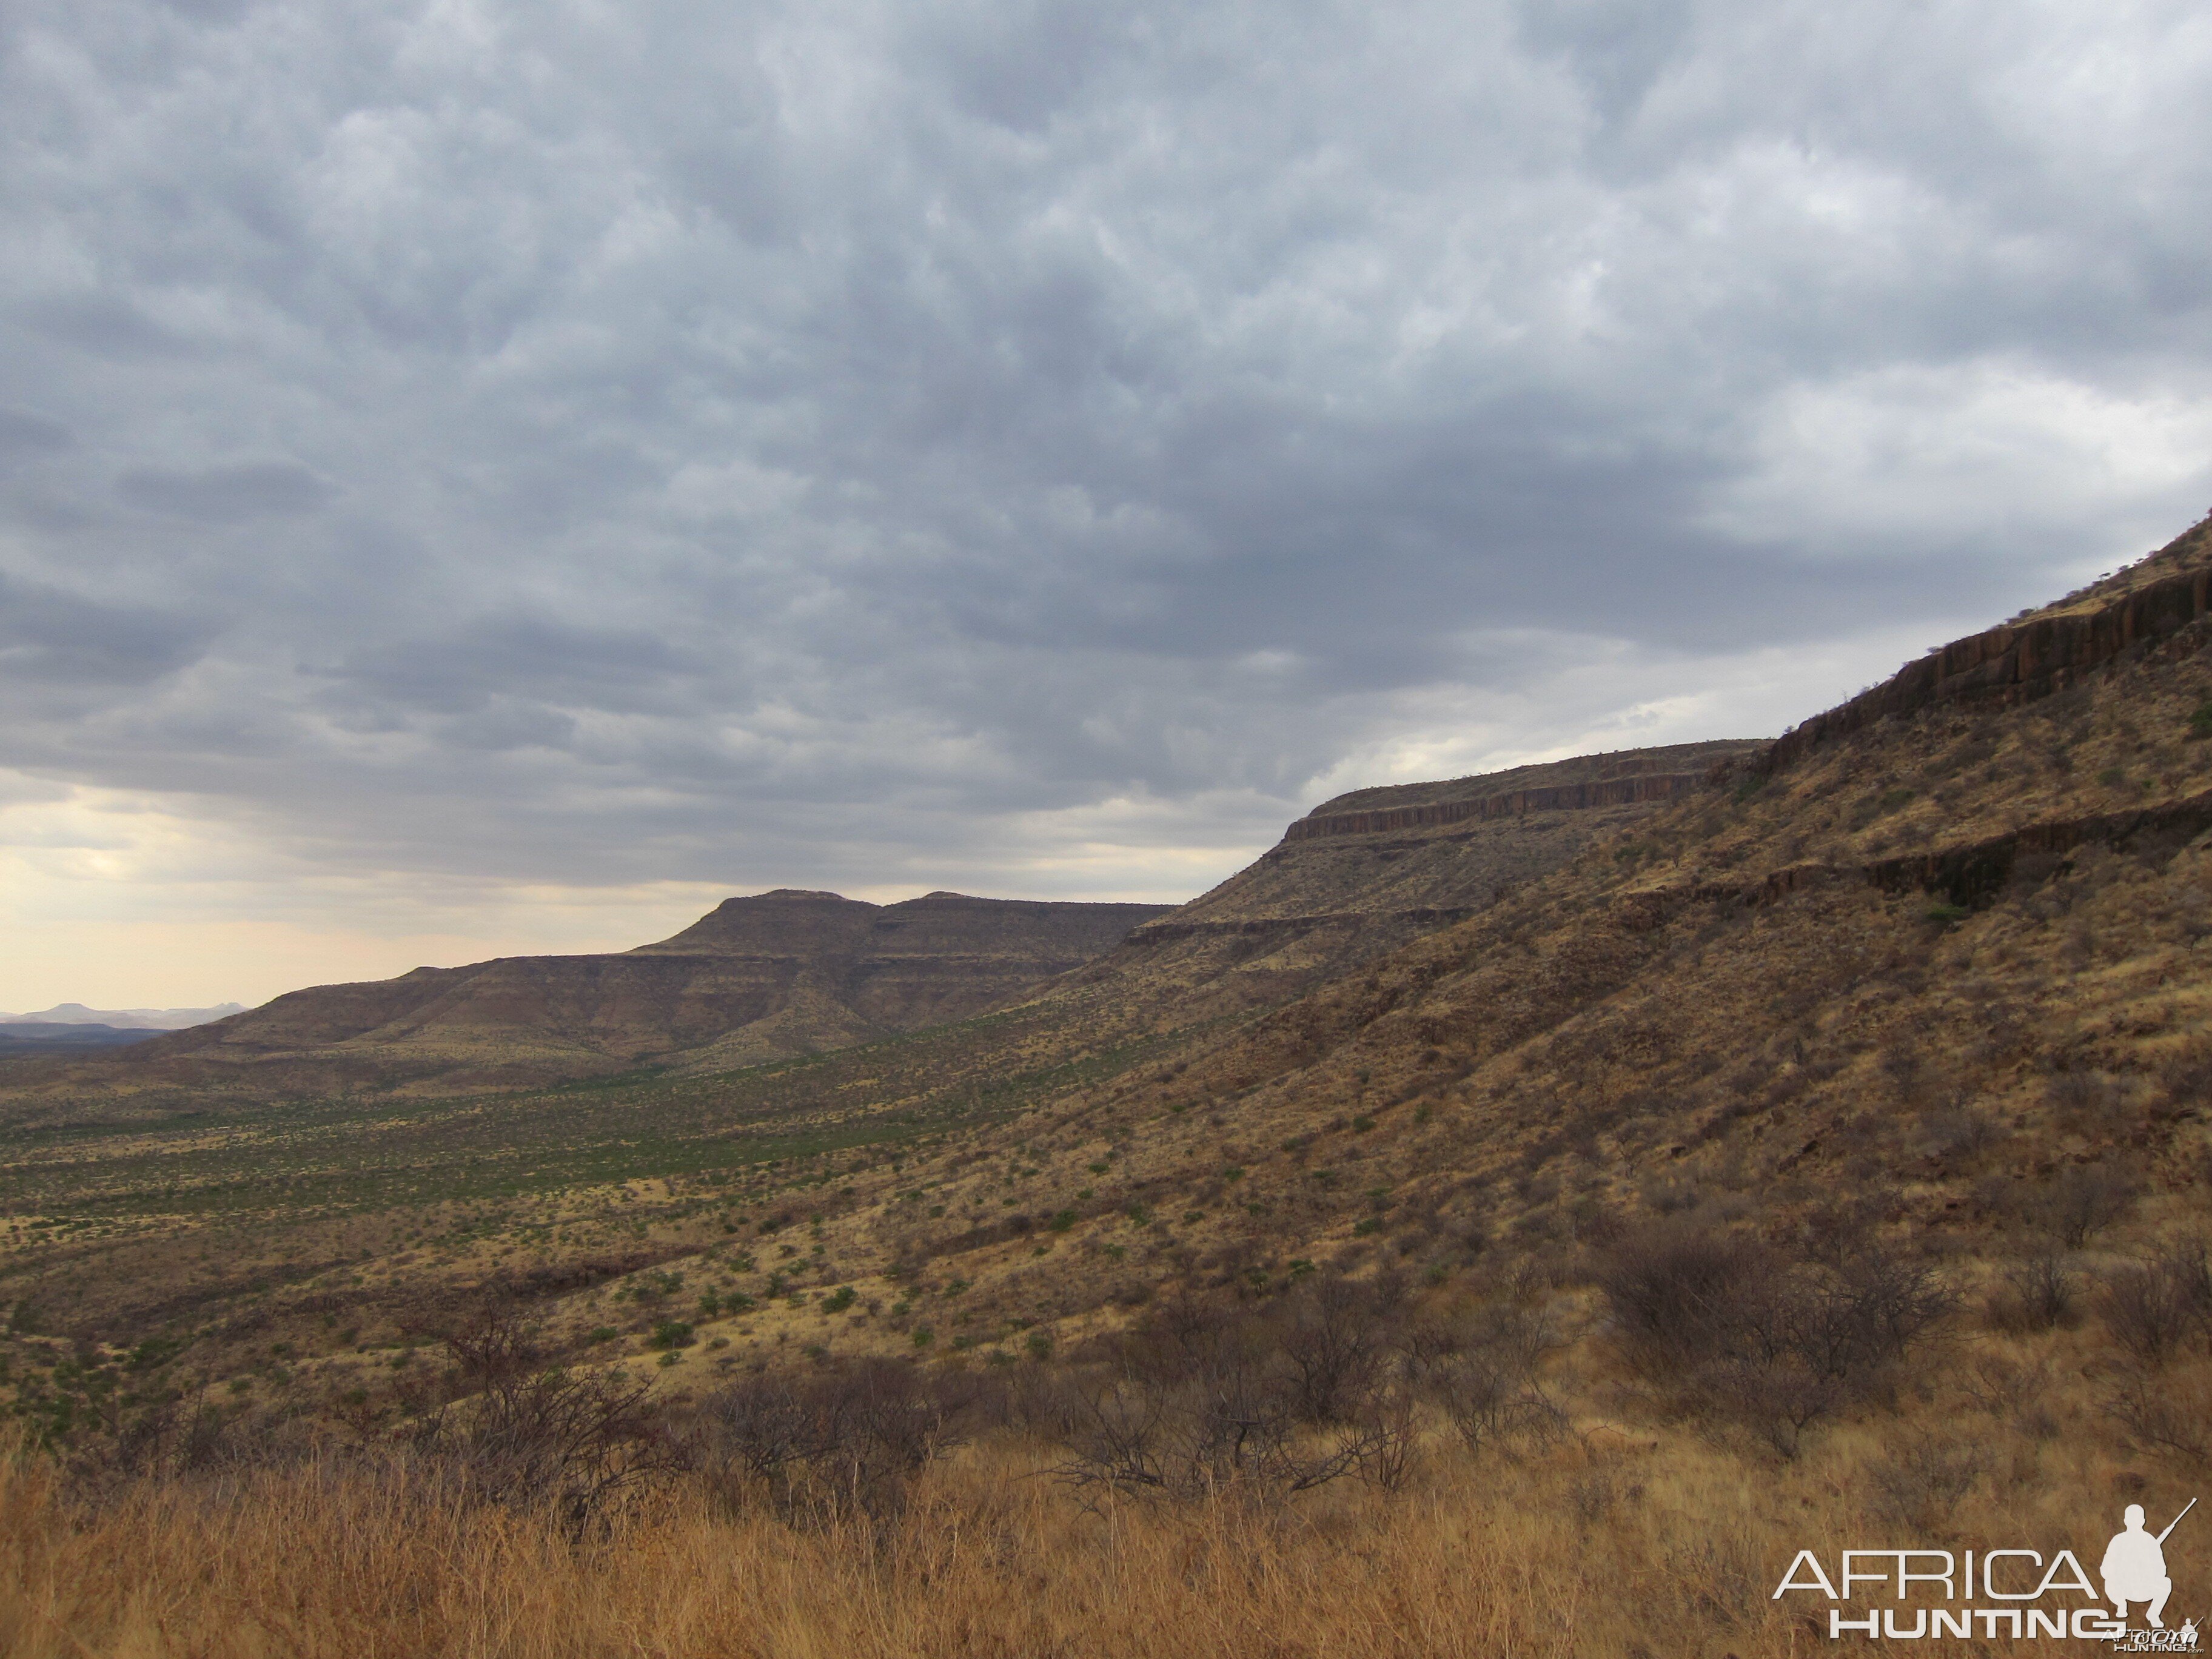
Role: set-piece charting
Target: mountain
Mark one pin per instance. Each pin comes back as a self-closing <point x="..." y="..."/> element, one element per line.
<point x="125" y="1019"/>
<point x="776" y="974"/>
<point x="47" y="1038"/>
<point x="1932" y="972"/>
<point x="1369" y="871"/>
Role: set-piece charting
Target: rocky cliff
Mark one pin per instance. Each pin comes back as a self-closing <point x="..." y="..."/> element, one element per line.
<point x="1368" y="870"/>
<point x="2034" y="655"/>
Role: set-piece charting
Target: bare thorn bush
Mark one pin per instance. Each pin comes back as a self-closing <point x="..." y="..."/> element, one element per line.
<point x="1765" y="1343"/>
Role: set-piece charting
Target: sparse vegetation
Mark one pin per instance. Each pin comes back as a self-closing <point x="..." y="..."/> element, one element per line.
<point x="1616" y="1164"/>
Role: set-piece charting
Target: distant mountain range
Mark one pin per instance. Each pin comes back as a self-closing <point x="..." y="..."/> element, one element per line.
<point x="72" y="1029"/>
<point x="770" y="976"/>
<point x="125" y="1019"/>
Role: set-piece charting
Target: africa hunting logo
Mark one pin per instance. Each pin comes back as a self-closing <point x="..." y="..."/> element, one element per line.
<point x="1893" y="1593"/>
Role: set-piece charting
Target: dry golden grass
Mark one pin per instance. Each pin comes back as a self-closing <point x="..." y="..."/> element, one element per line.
<point x="987" y="1562"/>
<point x="1610" y="1546"/>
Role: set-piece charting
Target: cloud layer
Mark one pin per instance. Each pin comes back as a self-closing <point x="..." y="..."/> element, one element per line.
<point x="458" y="449"/>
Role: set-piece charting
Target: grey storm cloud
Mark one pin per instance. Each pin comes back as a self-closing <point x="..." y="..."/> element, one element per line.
<point x="792" y="442"/>
<point x="50" y="639"/>
<point x="226" y="494"/>
<point x="26" y="437"/>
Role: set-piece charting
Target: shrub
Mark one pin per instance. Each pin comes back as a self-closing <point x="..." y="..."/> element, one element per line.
<point x="1918" y="1481"/>
<point x="820" y="1446"/>
<point x="2035" y="1295"/>
<point x="2167" y="1415"/>
<point x="1202" y="1403"/>
<point x="1486" y="1381"/>
<point x="1062" y="1220"/>
<point x="1334" y="1339"/>
<point x="1770" y="1343"/>
<point x="519" y="1433"/>
<point x="2152" y="1308"/>
<point x="2081" y="1202"/>
<point x="670" y="1333"/>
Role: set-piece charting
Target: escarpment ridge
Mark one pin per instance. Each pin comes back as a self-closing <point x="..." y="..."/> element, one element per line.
<point x="2035" y="655"/>
<point x="1370" y="871"/>
<point x="1514" y="803"/>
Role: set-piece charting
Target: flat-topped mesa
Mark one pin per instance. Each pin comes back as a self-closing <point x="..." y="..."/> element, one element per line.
<point x="789" y="922"/>
<point x="2035" y="654"/>
<point x="763" y="977"/>
<point x="1625" y="778"/>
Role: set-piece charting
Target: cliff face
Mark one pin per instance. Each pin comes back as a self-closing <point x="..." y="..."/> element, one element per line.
<point x="1631" y="778"/>
<point x="1370" y="871"/>
<point x="2033" y="656"/>
<point x="776" y="974"/>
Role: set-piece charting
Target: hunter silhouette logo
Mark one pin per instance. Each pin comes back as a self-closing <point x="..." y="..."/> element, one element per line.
<point x="2135" y="1566"/>
<point x="2013" y="1593"/>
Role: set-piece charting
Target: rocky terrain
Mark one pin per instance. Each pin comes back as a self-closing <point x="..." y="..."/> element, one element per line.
<point x="1368" y="871"/>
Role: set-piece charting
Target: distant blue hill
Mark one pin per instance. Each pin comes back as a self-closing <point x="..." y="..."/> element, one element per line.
<point x="121" y="1019"/>
<point x="50" y="1037"/>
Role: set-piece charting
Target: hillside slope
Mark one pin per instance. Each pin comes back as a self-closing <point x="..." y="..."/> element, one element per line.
<point x="1932" y="982"/>
<point x="1366" y="872"/>
<point x="1816" y="1146"/>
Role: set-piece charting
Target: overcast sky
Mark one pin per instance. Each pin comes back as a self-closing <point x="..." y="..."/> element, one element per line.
<point x="479" y="477"/>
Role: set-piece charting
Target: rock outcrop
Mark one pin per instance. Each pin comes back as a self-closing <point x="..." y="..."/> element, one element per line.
<point x="1512" y="803"/>
<point x="1368" y="870"/>
<point x="2033" y="657"/>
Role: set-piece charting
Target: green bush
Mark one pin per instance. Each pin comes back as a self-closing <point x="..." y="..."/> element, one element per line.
<point x="843" y="1298"/>
<point x="670" y="1333"/>
<point x="1061" y="1220"/>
